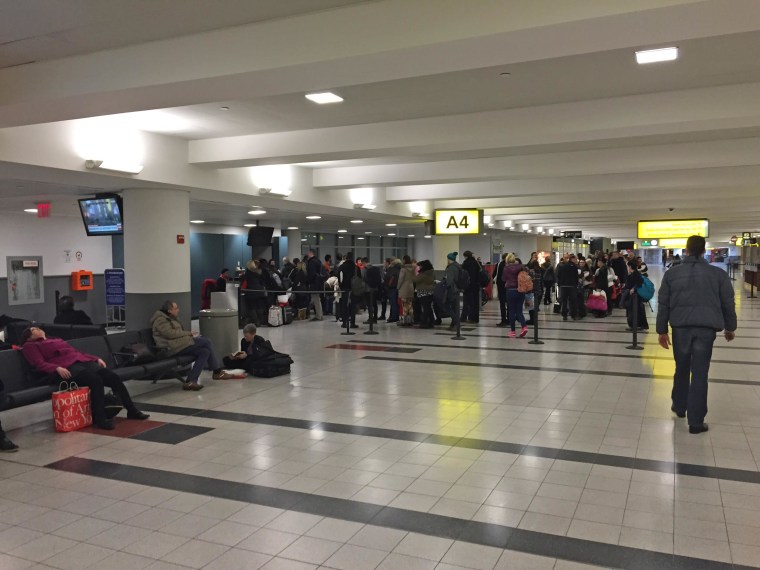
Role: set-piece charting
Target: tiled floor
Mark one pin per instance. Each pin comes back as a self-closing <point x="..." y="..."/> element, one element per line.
<point x="484" y="453"/>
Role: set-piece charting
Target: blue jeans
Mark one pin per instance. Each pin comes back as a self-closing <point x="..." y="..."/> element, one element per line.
<point x="692" y="350"/>
<point x="204" y="356"/>
<point x="393" y="302"/>
<point x="515" y="301"/>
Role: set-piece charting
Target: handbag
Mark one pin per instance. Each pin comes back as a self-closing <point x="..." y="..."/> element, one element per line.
<point x="597" y="301"/>
<point x="530" y="301"/>
<point x="71" y="407"/>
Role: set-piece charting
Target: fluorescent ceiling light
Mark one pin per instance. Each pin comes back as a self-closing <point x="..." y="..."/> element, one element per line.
<point x="249" y="225"/>
<point x="392" y="235"/>
<point x="410" y="235"/>
<point x="197" y="221"/>
<point x="31" y="210"/>
<point x="313" y="217"/>
<point x="341" y="237"/>
<point x="367" y="232"/>
<point x="390" y="225"/>
<point x="292" y="227"/>
<point x="342" y="231"/>
<point x="257" y="212"/>
<point x="357" y="221"/>
<point x="656" y="55"/>
<point x="284" y="192"/>
<point x="324" y="97"/>
<point x="114" y="165"/>
<point x="428" y="237"/>
<point x="360" y="238"/>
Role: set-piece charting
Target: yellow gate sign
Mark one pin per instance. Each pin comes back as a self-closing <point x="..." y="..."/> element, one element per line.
<point x="664" y="229"/>
<point x="457" y="222"/>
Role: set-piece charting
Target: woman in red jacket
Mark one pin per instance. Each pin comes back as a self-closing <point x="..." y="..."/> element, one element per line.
<point x="62" y="361"/>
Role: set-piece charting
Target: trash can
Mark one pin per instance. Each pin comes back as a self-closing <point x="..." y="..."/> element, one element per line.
<point x="220" y="326"/>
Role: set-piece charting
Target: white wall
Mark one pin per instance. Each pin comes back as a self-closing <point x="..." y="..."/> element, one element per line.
<point x="26" y="234"/>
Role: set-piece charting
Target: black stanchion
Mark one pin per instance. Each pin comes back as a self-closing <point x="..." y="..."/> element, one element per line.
<point x="635" y="323"/>
<point x="752" y="289"/>
<point x="371" y="312"/>
<point x="535" y="325"/>
<point x="347" y="316"/>
<point x="457" y="306"/>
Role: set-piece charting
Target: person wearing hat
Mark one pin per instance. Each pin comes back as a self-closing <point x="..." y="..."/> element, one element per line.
<point x="221" y="282"/>
<point x="452" y="270"/>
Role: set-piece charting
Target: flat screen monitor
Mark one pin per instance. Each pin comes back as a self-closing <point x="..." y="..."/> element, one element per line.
<point x="102" y="216"/>
<point x="260" y="236"/>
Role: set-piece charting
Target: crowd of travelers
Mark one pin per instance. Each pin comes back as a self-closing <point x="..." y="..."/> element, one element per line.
<point x="406" y="291"/>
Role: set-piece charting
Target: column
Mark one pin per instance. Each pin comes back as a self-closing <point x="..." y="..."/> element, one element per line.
<point x="442" y="246"/>
<point x="156" y="263"/>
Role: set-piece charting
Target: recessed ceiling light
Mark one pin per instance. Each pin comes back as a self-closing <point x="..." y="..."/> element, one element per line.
<point x="292" y="227"/>
<point x="357" y="221"/>
<point x="428" y="237"/>
<point x="656" y="55"/>
<point x="224" y="108"/>
<point x="197" y="221"/>
<point x="324" y="97"/>
<point x="367" y="232"/>
<point x="31" y="210"/>
<point x="341" y="237"/>
<point x="391" y="235"/>
<point x="257" y="212"/>
<point x="526" y="226"/>
<point x="390" y="225"/>
<point x="410" y="235"/>
<point x="313" y="217"/>
<point x="303" y="239"/>
<point x="539" y="229"/>
<point x="249" y="225"/>
<point x="360" y="238"/>
<point x="342" y="231"/>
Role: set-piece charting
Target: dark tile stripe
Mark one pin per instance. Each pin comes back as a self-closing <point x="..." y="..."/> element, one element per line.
<point x="550" y="369"/>
<point x="472" y="443"/>
<point x="542" y="544"/>
<point x="523" y="349"/>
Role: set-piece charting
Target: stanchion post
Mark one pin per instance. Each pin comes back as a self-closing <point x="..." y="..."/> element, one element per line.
<point x="457" y="308"/>
<point x="635" y="324"/>
<point x="752" y="289"/>
<point x="371" y="306"/>
<point x="535" y="324"/>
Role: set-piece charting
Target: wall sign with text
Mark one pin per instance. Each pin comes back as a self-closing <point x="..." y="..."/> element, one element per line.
<point x="458" y="222"/>
<point x="657" y="229"/>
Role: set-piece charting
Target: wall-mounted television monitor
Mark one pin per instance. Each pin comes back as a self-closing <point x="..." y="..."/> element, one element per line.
<point x="102" y="215"/>
<point x="260" y="236"/>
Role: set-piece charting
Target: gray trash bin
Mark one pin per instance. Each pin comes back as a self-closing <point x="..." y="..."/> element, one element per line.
<point x="220" y="326"/>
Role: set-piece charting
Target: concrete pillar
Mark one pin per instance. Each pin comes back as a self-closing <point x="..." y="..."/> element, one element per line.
<point x="156" y="264"/>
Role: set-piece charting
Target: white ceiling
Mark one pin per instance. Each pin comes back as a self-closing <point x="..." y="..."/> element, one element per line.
<point x="577" y="136"/>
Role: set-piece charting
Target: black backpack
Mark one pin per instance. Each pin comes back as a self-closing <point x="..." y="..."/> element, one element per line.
<point x="374" y="277"/>
<point x="462" y="280"/>
<point x="357" y="285"/>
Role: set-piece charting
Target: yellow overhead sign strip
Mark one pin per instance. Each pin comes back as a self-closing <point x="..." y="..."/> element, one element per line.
<point x="457" y="222"/>
<point x="664" y="229"/>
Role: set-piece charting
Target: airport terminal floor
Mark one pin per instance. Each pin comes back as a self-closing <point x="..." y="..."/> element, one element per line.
<point x="409" y="450"/>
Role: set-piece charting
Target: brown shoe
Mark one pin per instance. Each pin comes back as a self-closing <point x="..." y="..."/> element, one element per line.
<point x="194" y="386"/>
<point x="222" y="376"/>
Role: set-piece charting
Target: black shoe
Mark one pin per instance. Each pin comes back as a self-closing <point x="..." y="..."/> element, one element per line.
<point x="353" y="326"/>
<point x="392" y="321"/>
<point x="7" y="446"/>
<point x="104" y="424"/>
<point x="574" y="318"/>
<point x="565" y="318"/>
<point x="676" y="412"/>
<point x="698" y="428"/>
<point x="381" y="318"/>
<point x="138" y="415"/>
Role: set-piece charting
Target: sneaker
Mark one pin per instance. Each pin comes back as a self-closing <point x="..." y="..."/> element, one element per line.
<point x="523" y="332"/>
<point x="221" y="376"/>
<point x="512" y="334"/>
<point x="7" y="446"/>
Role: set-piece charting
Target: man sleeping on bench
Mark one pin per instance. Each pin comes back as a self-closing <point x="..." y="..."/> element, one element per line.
<point x="257" y="357"/>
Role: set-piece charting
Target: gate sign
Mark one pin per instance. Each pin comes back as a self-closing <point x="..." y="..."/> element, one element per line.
<point x="115" y="289"/>
<point x="656" y="229"/>
<point x="457" y="222"/>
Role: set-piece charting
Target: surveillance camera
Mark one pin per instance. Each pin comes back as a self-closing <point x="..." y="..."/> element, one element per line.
<point x="671" y="209"/>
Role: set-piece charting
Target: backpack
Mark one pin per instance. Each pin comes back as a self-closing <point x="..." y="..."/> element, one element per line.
<point x="524" y="282"/>
<point x="645" y="291"/>
<point x="484" y="277"/>
<point x="357" y="285"/>
<point x="462" y="280"/>
<point x="374" y="277"/>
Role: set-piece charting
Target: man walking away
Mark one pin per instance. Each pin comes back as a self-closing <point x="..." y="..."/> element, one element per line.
<point x="697" y="300"/>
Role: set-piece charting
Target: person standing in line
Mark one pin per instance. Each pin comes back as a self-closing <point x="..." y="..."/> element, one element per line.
<point x="316" y="283"/>
<point x="392" y="274"/>
<point x="515" y="298"/>
<point x="697" y="300"/>
<point x="346" y="273"/>
<point x="567" y="280"/>
<point x="471" y="298"/>
<point x="450" y="276"/>
<point x="501" y="290"/>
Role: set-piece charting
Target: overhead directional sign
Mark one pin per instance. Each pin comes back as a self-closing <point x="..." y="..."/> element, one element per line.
<point x="657" y="229"/>
<point x="573" y="234"/>
<point x="457" y="222"/>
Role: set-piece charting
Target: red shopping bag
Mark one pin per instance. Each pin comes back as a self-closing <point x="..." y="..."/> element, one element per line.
<point x="71" y="407"/>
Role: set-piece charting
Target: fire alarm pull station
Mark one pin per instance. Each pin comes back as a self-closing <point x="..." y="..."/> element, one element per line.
<point x="81" y="280"/>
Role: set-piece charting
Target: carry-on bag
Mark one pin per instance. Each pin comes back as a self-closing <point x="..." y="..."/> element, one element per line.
<point x="71" y="407"/>
<point x="274" y="318"/>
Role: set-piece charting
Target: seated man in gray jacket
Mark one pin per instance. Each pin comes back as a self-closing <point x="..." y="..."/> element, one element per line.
<point x="169" y="334"/>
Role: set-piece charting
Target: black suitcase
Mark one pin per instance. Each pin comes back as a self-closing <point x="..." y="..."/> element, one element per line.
<point x="287" y="315"/>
